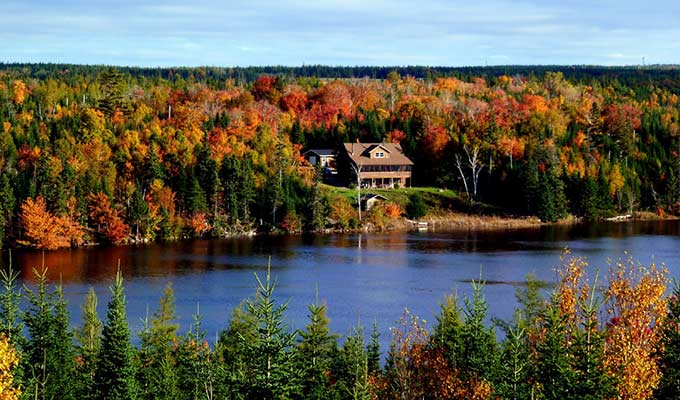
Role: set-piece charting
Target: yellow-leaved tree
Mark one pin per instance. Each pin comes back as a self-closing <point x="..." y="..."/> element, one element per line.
<point x="8" y="361"/>
<point x="636" y="307"/>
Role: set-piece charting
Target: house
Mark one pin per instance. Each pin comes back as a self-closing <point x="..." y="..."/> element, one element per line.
<point x="370" y="200"/>
<point x="325" y="157"/>
<point x="381" y="165"/>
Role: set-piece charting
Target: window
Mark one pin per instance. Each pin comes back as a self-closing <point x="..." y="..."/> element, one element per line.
<point x="379" y="154"/>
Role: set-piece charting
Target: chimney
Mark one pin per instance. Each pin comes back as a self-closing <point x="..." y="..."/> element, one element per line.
<point x="352" y="148"/>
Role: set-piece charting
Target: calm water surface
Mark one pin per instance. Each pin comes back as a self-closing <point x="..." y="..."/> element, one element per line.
<point x="361" y="277"/>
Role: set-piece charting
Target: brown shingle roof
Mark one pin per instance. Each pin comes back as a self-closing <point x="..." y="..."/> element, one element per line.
<point x="359" y="153"/>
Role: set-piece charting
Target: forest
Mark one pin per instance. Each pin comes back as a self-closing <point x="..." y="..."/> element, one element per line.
<point x="584" y="338"/>
<point x="94" y="154"/>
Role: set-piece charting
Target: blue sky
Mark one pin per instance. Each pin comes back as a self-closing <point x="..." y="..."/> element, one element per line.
<point x="340" y="32"/>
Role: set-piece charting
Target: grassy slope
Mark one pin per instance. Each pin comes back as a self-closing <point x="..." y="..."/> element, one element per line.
<point x="435" y="198"/>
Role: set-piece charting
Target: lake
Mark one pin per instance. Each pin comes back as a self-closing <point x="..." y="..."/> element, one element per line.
<point x="361" y="277"/>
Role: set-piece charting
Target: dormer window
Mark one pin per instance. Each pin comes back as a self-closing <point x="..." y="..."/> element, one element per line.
<point x="379" y="154"/>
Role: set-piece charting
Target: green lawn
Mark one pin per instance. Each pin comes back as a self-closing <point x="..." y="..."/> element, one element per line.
<point x="444" y="199"/>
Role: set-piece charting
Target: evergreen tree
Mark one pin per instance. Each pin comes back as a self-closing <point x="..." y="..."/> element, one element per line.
<point x="196" y="197"/>
<point x="593" y="381"/>
<point x="197" y="373"/>
<point x="231" y="349"/>
<point x="316" y="351"/>
<point x="10" y="296"/>
<point x="40" y="323"/>
<point x="416" y="207"/>
<point x="514" y="372"/>
<point x="156" y="375"/>
<point x="352" y="371"/>
<point x="7" y="203"/>
<point x="553" y="372"/>
<point x="479" y="358"/>
<point x="114" y="374"/>
<point x="373" y="352"/>
<point x="62" y="354"/>
<point x="138" y="212"/>
<point x="207" y="174"/>
<point x="88" y="337"/>
<point x="448" y="331"/>
<point x="551" y="200"/>
<point x="272" y="370"/>
<point x="317" y="209"/>
<point x="669" y="363"/>
<point x="113" y="89"/>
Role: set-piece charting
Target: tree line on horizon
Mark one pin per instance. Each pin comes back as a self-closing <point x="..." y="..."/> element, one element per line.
<point x="585" y="339"/>
<point x="93" y="154"/>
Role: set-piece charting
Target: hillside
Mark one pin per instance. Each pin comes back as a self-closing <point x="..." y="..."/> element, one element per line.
<point x="90" y="154"/>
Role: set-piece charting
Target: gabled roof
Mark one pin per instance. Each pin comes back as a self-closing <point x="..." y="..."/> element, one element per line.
<point x="320" y="152"/>
<point x="359" y="154"/>
<point x="370" y="196"/>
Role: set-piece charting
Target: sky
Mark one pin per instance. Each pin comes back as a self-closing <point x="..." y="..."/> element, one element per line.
<point x="157" y="33"/>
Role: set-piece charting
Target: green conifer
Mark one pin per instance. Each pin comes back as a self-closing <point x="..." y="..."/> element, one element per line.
<point x="271" y="368"/>
<point x="316" y="351"/>
<point x="88" y="337"/>
<point x="669" y="364"/>
<point x="115" y="374"/>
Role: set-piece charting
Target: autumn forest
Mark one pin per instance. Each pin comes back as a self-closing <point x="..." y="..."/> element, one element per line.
<point x="102" y="155"/>
<point x="93" y="154"/>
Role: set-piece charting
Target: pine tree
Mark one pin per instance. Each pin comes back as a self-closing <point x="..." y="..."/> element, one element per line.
<point x="88" y="337"/>
<point x="316" y="350"/>
<point x="114" y="374"/>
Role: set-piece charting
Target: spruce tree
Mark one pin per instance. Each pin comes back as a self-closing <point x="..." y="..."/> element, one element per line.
<point x="272" y="370"/>
<point x="553" y="372"/>
<point x="669" y="363"/>
<point x="593" y="381"/>
<point x="114" y="374"/>
<point x="479" y="355"/>
<point x="10" y="296"/>
<point x="373" y="352"/>
<point x="198" y="374"/>
<point x="448" y="331"/>
<point x="157" y="378"/>
<point x="88" y="337"/>
<point x="316" y="351"/>
<point x="62" y="352"/>
<point x="40" y="323"/>
<point x="514" y="371"/>
<point x="352" y="371"/>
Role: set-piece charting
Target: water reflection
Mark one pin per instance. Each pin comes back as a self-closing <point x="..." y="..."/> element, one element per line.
<point x="367" y="276"/>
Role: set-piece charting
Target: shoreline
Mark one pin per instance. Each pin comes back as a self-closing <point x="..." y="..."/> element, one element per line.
<point x="441" y="222"/>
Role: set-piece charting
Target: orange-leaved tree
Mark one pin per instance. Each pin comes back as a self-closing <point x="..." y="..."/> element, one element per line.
<point x="43" y="230"/>
<point x="106" y="219"/>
